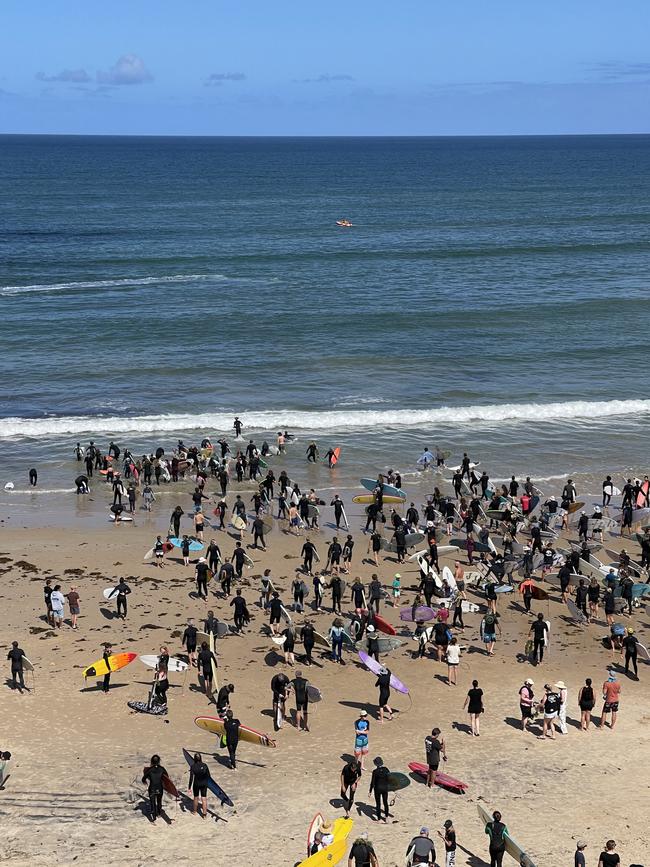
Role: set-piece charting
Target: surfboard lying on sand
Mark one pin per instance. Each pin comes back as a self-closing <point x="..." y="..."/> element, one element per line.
<point x="443" y="780"/>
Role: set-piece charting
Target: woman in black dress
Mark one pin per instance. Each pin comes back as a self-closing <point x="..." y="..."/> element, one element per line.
<point x="474" y="705"/>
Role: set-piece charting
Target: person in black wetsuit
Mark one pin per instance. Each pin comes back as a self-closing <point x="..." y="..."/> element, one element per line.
<point x="497" y="833"/>
<point x="16" y="655"/>
<point x="237" y="425"/>
<point x="308" y="551"/>
<point x="198" y="784"/>
<point x="338" y="510"/>
<point x="379" y="785"/>
<point x="307" y="638"/>
<point x="189" y="640"/>
<point x="33" y="477"/>
<point x="383" y="682"/>
<point x="231" y="727"/>
<point x="275" y="611"/>
<point x="538" y="631"/>
<point x="241" y="611"/>
<point x="238" y="558"/>
<point x="335" y="586"/>
<point x="153" y="775"/>
<point x="204" y="664"/>
<point x="350" y="776"/>
<point x="629" y="645"/>
<point x="106" y="656"/>
<point x="226" y="575"/>
<point x="279" y="688"/>
<point x="299" y="685"/>
<point x="121" y="591"/>
<point x="202" y="570"/>
<point x="223" y="698"/>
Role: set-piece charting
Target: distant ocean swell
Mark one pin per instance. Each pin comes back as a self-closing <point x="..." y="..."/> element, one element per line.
<point x="327" y="420"/>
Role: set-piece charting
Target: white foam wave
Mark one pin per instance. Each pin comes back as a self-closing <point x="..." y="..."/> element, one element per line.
<point x="107" y="284"/>
<point x="328" y="420"/>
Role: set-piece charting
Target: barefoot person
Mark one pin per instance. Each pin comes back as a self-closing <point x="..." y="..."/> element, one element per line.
<point x="198" y="785"/>
<point x="475" y="707"/>
<point x="611" y="697"/>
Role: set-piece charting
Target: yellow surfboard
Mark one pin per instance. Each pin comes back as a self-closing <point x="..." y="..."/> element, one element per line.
<point x="115" y="662"/>
<point x="335" y="852"/>
<point x="214" y="725"/>
<point x="366" y="499"/>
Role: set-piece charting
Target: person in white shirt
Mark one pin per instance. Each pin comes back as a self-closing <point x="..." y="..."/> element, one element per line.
<point x="57" y="601"/>
<point x="563" y="692"/>
<point x="453" y="660"/>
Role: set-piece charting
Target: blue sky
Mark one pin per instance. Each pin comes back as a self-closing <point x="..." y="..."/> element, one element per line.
<point x="256" y="67"/>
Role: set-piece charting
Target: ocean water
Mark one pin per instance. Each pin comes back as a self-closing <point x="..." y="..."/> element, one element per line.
<point x="492" y="296"/>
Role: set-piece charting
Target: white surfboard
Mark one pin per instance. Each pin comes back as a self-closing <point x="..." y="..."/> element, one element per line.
<point x="175" y="665"/>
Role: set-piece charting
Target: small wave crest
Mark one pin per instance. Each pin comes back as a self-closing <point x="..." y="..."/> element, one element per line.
<point x="326" y="420"/>
<point x="107" y="284"/>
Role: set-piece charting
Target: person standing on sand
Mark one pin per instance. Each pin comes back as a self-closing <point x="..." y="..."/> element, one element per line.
<point x="475" y="707"/>
<point x="609" y="858"/>
<point x="497" y="832"/>
<point x="526" y="697"/>
<point x="121" y="591"/>
<point x="449" y="838"/>
<point x="299" y="685"/>
<point x="362" y="853"/>
<point x="197" y="786"/>
<point x="434" y="747"/>
<point x="361" y="733"/>
<point x="153" y="775"/>
<point x="16" y="655"/>
<point x="231" y="727"/>
<point x="383" y="682"/>
<point x="106" y="656"/>
<point x="611" y="697"/>
<point x="586" y="702"/>
<point x="551" y="706"/>
<point x="563" y="692"/>
<point x="379" y="785"/>
<point x="538" y="632"/>
<point x="57" y="601"/>
<point x="280" y="689"/>
<point x="73" y="601"/>
<point x="350" y="776"/>
<point x="189" y="641"/>
<point x="421" y="849"/>
<point x="204" y="664"/>
<point x="47" y="594"/>
<point x="489" y="628"/>
<point x="579" y="856"/>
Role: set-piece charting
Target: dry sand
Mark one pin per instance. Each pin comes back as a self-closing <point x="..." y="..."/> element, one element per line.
<point x="75" y="794"/>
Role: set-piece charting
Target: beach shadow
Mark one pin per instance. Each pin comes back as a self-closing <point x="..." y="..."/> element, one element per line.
<point x="365" y="810"/>
<point x="462" y="727"/>
<point x="472" y="859"/>
<point x="360" y="705"/>
<point x="98" y="688"/>
<point x="346" y="757"/>
<point x="337" y="803"/>
<point x="441" y="677"/>
<point x="513" y="722"/>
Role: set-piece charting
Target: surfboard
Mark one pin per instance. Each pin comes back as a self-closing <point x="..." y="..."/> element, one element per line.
<point x="367" y="499"/>
<point x="472" y="464"/>
<point x="335" y="456"/>
<point x="642" y="496"/>
<point x="443" y="780"/>
<point x="116" y="661"/>
<point x="410" y="541"/>
<point x="214" y="787"/>
<point x="575" y="612"/>
<point x="238" y="523"/>
<point x="313" y="693"/>
<point x="387" y="490"/>
<point x="214" y="725"/>
<point x="314" y="826"/>
<point x="397" y="781"/>
<point x="321" y="640"/>
<point x="175" y="665"/>
<point x="383" y="625"/>
<point x="512" y="847"/>
<point x="385" y="643"/>
<point x="27" y="665"/>
<point x="479" y="547"/>
<point x="372" y="665"/>
<point x="168" y="786"/>
<point x="106" y="593"/>
<point x="123" y="518"/>
<point x="279" y="639"/>
<point x="441" y="549"/>
<point x="422" y="612"/>
<point x="215" y="673"/>
<point x="177" y="542"/>
<point x="330" y="856"/>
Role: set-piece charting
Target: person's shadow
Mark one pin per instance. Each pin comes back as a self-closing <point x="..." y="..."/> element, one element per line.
<point x="472" y="859"/>
<point x="462" y="727"/>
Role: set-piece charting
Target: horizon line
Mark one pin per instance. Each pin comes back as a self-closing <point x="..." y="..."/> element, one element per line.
<point x="280" y="136"/>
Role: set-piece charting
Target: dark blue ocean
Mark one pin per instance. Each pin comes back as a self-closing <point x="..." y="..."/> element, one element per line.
<point x="493" y="294"/>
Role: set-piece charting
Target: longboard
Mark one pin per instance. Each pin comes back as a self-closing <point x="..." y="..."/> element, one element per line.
<point x="443" y="780"/>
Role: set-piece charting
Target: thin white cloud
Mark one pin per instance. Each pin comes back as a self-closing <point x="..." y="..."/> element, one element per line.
<point x="67" y="76"/>
<point x="217" y="78"/>
<point x="129" y="69"/>
<point x="326" y="78"/>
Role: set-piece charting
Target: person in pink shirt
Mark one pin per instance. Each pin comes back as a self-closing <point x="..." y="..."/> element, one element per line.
<point x="442" y="615"/>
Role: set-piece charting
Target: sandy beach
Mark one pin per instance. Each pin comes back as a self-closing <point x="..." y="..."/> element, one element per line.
<point x="74" y="787"/>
